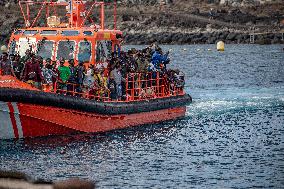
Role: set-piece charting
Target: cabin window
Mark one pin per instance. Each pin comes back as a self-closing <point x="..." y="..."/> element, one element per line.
<point x="88" y="33"/>
<point x="48" y="32"/>
<point x="70" y="33"/>
<point x="85" y="49"/>
<point x="45" y="49"/>
<point x="12" y="49"/>
<point x="30" y="32"/>
<point x="103" y="50"/>
<point x="65" y="49"/>
<point x="17" y="32"/>
<point x="26" y="43"/>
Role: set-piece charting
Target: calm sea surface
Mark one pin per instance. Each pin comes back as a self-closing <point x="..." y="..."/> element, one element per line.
<point x="231" y="137"/>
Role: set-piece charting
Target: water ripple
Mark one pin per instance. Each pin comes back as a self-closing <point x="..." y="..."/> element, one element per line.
<point x="231" y="137"/>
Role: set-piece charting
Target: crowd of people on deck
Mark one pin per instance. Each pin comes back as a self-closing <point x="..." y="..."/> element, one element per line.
<point x="107" y="79"/>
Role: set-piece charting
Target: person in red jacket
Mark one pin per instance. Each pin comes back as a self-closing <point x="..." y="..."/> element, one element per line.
<point x="32" y="72"/>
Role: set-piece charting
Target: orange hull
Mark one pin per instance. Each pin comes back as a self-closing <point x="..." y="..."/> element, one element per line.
<point x="20" y="120"/>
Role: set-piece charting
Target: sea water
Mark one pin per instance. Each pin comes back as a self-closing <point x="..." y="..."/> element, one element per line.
<point x="231" y="137"/>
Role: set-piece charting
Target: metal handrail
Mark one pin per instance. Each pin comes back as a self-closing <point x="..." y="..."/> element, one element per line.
<point x="138" y="86"/>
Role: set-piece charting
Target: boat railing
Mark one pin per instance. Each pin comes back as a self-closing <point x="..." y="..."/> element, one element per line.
<point x="149" y="85"/>
<point x="137" y="86"/>
<point x="74" y="89"/>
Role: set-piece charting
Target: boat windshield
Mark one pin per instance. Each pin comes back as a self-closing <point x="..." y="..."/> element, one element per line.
<point x="84" y="54"/>
<point x="70" y="33"/>
<point x="103" y="51"/>
<point x="66" y="50"/>
<point x="48" y="32"/>
<point x="45" y="49"/>
<point x="17" y="32"/>
<point x="25" y="44"/>
<point x="30" y="32"/>
<point x="88" y="33"/>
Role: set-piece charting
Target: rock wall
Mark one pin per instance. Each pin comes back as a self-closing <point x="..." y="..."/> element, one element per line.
<point x="229" y="37"/>
<point x="181" y="21"/>
<point x="239" y="3"/>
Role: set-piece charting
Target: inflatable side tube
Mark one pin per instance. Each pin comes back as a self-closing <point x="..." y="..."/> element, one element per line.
<point x="92" y="106"/>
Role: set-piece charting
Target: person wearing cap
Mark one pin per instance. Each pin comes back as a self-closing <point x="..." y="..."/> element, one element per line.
<point x="6" y="65"/>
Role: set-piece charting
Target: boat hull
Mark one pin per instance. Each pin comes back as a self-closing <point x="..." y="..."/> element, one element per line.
<point x="20" y="120"/>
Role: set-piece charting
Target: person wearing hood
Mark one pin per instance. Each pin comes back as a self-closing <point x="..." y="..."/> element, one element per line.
<point x="32" y="72"/>
<point x="159" y="60"/>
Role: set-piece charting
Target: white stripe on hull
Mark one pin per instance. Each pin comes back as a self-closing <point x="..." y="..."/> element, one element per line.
<point x="17" y="117"/>
<point x="6" y="127"/>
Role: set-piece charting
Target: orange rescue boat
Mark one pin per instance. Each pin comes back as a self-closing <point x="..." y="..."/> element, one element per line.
<point x="26" y="111"/>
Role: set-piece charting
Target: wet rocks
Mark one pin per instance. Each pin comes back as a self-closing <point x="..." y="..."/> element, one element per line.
<point x="18" y="180"/>
<point x="239" y="3"/>
<point x="74" y="184"/>
<point x="13" y="175"/>
<point x="201" y="38"/>
<point x="20" y="184"/>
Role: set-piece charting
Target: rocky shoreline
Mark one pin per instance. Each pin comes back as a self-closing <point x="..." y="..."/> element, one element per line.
<point x="19" y="180"/>
<point x="182" y="22"/>
<point x="202" y="38"/>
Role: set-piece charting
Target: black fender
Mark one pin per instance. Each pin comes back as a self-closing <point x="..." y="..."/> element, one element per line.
<point x="91" y="106"/>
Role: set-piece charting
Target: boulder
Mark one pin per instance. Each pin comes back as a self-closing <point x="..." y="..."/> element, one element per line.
<point x="231" y="36"/>
<point x="223" y="2"/>
<point x="250" y="3"/>
<point x="239" y="37"/>
<point x="212" y="40"/>
<point x="7" y="5"/>
<point x="229" y="2"/>
<point x="236" y="4"/>
<point x="13" y="175"/>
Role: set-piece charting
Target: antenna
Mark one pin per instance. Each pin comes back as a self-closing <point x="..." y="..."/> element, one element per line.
<point x="76" y="12"/>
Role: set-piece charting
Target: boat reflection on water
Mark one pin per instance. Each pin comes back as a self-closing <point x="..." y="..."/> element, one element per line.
<point x="87" y="140"/>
